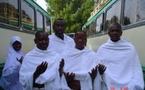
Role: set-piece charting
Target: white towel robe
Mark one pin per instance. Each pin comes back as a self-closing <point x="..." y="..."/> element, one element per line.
<point x="81" y="62"/>
<point x="50" y="77"/>
<point x="10" y="74"/>
<point x="60" y="46"/>
<point x="123" y="65"/>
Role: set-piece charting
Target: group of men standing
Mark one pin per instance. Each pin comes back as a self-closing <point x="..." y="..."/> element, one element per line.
<point x="58" y="62"/>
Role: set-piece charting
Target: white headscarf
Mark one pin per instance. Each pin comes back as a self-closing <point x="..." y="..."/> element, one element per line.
<point x="11" y="60"/>
<point x="10" y="75"/>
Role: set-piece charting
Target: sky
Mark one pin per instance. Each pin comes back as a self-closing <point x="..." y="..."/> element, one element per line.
<point x="42" y="3"/>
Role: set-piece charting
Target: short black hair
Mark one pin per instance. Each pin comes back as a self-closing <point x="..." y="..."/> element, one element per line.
<point x="81" y="32"/>
<point x="117" y="25"/>
<point x="58" y="19"/>
<point x="37" y="34"/>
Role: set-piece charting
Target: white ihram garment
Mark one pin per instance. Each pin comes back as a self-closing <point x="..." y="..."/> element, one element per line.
<point x="81" y="62"/>
<point x="60" y="46"/>
<point x="50" y="78"/>
<point x="123" y="65"/>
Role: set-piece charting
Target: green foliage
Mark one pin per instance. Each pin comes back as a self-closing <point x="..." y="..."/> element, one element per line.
<point x="75" y="12"/>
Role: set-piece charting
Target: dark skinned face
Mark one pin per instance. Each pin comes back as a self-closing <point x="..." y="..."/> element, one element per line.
<point x="59" y="27"/>
<point x="17" y="46"/>
<point x="42" y="41"/>
<point x="80" y="40"/>
<point x="115" y="33"/>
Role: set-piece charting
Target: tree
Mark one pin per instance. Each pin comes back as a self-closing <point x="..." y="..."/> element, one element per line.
<point x="75" y="12"/>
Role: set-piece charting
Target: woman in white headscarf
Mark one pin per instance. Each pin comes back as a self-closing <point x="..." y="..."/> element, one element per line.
<point x="10" y="74"/>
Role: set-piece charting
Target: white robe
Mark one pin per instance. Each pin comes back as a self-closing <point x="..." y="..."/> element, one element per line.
<point x="60" y="46"/>
<point x="123" y="66"/>
<point x="10" y="74"/>
<point x="50" y="77"/>
<point x="81" y="62"/>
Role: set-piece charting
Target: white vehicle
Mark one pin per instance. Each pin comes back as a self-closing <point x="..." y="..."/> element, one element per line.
<point x="22" y="18"/>
<point x="129" y="13"/>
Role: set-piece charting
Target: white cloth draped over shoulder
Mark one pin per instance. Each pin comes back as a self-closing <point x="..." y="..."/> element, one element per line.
<point x="50" y="77"/>
<point x="60" y="46"/>
<point x="81" y="62"/>
<point x="10" y="74"/>
<point x="123" y="65"/>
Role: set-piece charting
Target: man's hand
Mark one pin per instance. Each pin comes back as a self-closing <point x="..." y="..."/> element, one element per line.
<point x="61" y="65"/>
<point x="72" y="82"/>
<point x="39" y="70"/>
<point x="69" y="76"/>
<point x="20" y="60"/>
<point x="101" y="69"/>
<point x="93" y="73"/>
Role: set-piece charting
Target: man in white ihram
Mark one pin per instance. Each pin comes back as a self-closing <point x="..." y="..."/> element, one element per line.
<point x="40" y="68"/>
<point x="60" y="42"/>
<point x="123" y="66"/>
<point x="81" y="65"/>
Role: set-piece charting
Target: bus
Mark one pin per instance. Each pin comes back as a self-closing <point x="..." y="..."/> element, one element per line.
<point x="129" y="13"/>
<point x="21" y="18"/>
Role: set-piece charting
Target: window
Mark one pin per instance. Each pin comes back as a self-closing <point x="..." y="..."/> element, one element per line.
<point x="3" y="11"/>
<point x="141" y="10"/>
<point x="9" y="12"/>
<point x="13" y="12"/>
<point x="99" y="24"/>
<point x="134" y="11"/>
<point x="86" y="29"/>
<point x="92" y="29"/>
<point x="113" y="14"/>
<point x="27" y="16"/>
<point x="47" y="25"/>
<point x="39" y="21"/>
